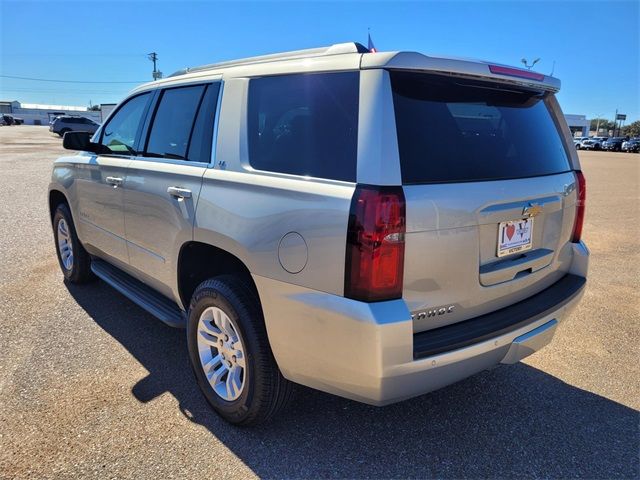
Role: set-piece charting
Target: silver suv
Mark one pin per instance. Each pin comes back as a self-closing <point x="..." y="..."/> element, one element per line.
<point x="64" y="124"/>
<point x="373" y="225"/>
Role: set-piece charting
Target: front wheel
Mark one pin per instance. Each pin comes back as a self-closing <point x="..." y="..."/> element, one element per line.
<point x="75" y="262"/>
<point x="230" y="353"/>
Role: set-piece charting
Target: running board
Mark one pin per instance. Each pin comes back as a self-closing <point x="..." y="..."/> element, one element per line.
<point x="144" y="296"/>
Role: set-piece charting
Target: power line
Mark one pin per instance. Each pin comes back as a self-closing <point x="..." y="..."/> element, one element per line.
<point x="63" y="81"/>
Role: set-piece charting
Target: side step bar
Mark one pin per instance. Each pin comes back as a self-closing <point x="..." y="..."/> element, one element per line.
<point x="144" y="296"/>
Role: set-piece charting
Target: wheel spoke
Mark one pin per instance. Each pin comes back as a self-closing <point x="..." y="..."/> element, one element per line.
<point x="240" y="359"/>
<point x="233" y="382"/>
<point x="209" y="338"/>
<point x="211" y="364"/>
<point x="227" y="327"/>
<point x="210" y="328"/>
<point x="215" y="376"/>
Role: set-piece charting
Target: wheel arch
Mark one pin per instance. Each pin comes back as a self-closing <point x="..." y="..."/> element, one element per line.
<point x="198" y="261"/>
<point x="56" y="197"/>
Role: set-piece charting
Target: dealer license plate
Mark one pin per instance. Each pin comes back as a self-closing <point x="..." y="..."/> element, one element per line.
<point x="514" y="236"/>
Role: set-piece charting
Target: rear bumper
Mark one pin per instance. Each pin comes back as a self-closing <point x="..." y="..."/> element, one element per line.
<point x="368" y="352"/>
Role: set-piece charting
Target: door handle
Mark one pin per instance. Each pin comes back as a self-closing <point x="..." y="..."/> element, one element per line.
<point x="115" y="181"/>
<point x="179" y="193"/>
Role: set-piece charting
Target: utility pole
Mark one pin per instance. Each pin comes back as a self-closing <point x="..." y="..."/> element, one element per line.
<point x="598" y="117"/>
<point x="153" y="56"/>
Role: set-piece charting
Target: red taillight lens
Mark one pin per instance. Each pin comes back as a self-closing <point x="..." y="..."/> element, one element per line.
<point x="515" y="72"/>
<point x="581" y="191"/>
<point x="375" y="244"/>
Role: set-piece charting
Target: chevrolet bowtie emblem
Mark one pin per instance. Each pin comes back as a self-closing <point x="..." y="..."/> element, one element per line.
<point x="531" y="210"/>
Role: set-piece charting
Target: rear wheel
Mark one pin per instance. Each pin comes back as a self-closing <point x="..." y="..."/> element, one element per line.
<point x="74" y="261"/>
<point x="230" y="353"/>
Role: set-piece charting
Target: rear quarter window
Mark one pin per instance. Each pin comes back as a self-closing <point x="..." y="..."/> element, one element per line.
<point x="456" y="130"/>
<point x="305" y="124"/>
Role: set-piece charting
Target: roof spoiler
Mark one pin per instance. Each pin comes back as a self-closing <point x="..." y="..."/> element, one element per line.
<point x="461" y="67"/>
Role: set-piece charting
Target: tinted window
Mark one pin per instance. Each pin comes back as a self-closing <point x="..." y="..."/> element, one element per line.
<point x="455" y="130"/>
<point x="201" y="138"/>
<point x="305" y="124"/>
<point x="173" y="122"/>
<point x="120" y="133"/>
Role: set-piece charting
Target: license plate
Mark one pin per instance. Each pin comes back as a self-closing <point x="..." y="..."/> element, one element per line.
<point x="514" y="236"/>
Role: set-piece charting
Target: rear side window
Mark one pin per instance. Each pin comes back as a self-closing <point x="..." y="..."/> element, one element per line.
<point x="173" y="122"/>
<point x="305" y="124"/>
<point x="202" y="136"/>
<point x="457" y="130"/>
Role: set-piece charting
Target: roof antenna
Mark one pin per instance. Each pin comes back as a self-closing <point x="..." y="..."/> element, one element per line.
<point x="553" y="68"/>
<point x="370" y="46"/>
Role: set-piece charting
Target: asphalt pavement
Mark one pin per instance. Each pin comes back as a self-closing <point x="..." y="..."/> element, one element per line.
<point x="92" y="386"/>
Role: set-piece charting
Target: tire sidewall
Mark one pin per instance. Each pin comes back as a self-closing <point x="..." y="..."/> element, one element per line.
<point x="213" y="295"/>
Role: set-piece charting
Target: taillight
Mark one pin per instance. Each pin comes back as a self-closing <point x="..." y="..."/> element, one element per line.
<point x="581" y="191"/>
<point x="515" y="72"/>
<point x="375" y="244"/>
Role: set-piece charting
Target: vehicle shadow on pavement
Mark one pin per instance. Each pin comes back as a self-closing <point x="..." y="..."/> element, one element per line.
<point x="513" y="421"/>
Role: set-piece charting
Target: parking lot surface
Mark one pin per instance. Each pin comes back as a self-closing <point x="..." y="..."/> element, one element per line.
<point x="92" y="386"/>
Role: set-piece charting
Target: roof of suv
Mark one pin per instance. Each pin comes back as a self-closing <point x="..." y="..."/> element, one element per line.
<point x="349" y="56"/>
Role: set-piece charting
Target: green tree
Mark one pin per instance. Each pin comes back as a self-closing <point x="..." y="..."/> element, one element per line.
<point x="94" y="108"/>
<point x="632" y="130"/>
<point x="604" y="124"/>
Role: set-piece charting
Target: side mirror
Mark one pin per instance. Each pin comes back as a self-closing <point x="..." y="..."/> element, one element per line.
<point x="81" y="141"/>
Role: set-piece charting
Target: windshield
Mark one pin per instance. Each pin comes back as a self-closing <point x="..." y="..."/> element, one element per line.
<point x="455" y="130"/>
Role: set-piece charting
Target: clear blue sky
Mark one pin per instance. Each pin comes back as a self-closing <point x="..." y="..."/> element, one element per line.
<point x="595" y="45"/>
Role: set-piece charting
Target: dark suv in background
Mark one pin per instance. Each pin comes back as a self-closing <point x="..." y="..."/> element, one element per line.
<point x="614" y="144"/>
<point x="632" y="145"/>
<point x="64" y="124"/>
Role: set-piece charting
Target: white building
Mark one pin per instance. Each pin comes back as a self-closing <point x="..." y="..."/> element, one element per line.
<point x="578" y="124"/>
<point x="38" y="114"/>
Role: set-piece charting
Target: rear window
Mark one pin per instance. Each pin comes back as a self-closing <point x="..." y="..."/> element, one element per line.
<point x="457" y="130"/>
<point x="305" y="124"/>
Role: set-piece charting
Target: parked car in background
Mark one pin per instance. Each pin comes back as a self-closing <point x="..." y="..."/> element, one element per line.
<point x="593" y="143"/>
<point x="632" y="145"/>
<point x="6" y="119"/>
<point x="614" y="144"/>
<point x="577" y="141"/>
<point x="64" y="124"/>
<point x="54" y="118"/>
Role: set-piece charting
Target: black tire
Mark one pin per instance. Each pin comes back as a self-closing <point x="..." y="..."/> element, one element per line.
<point x="63" y="131"/>
<point x="265" y="392"/>
<point x="80" y="271"/>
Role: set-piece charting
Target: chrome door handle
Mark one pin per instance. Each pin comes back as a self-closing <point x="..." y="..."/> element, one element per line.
<point x="179" y="193"/>
<point x="115" y="181"/>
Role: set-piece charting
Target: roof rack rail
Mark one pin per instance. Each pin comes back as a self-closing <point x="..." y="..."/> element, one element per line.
<point x="336" y="49"/>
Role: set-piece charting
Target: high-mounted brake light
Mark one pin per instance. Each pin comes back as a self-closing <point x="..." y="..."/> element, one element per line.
<point x="375" y="244"/>
<point x="515" y="72"/>
<point x="581" y="191"/>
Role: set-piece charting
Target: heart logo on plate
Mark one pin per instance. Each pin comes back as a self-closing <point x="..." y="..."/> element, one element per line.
<point x="510" y="230"/>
